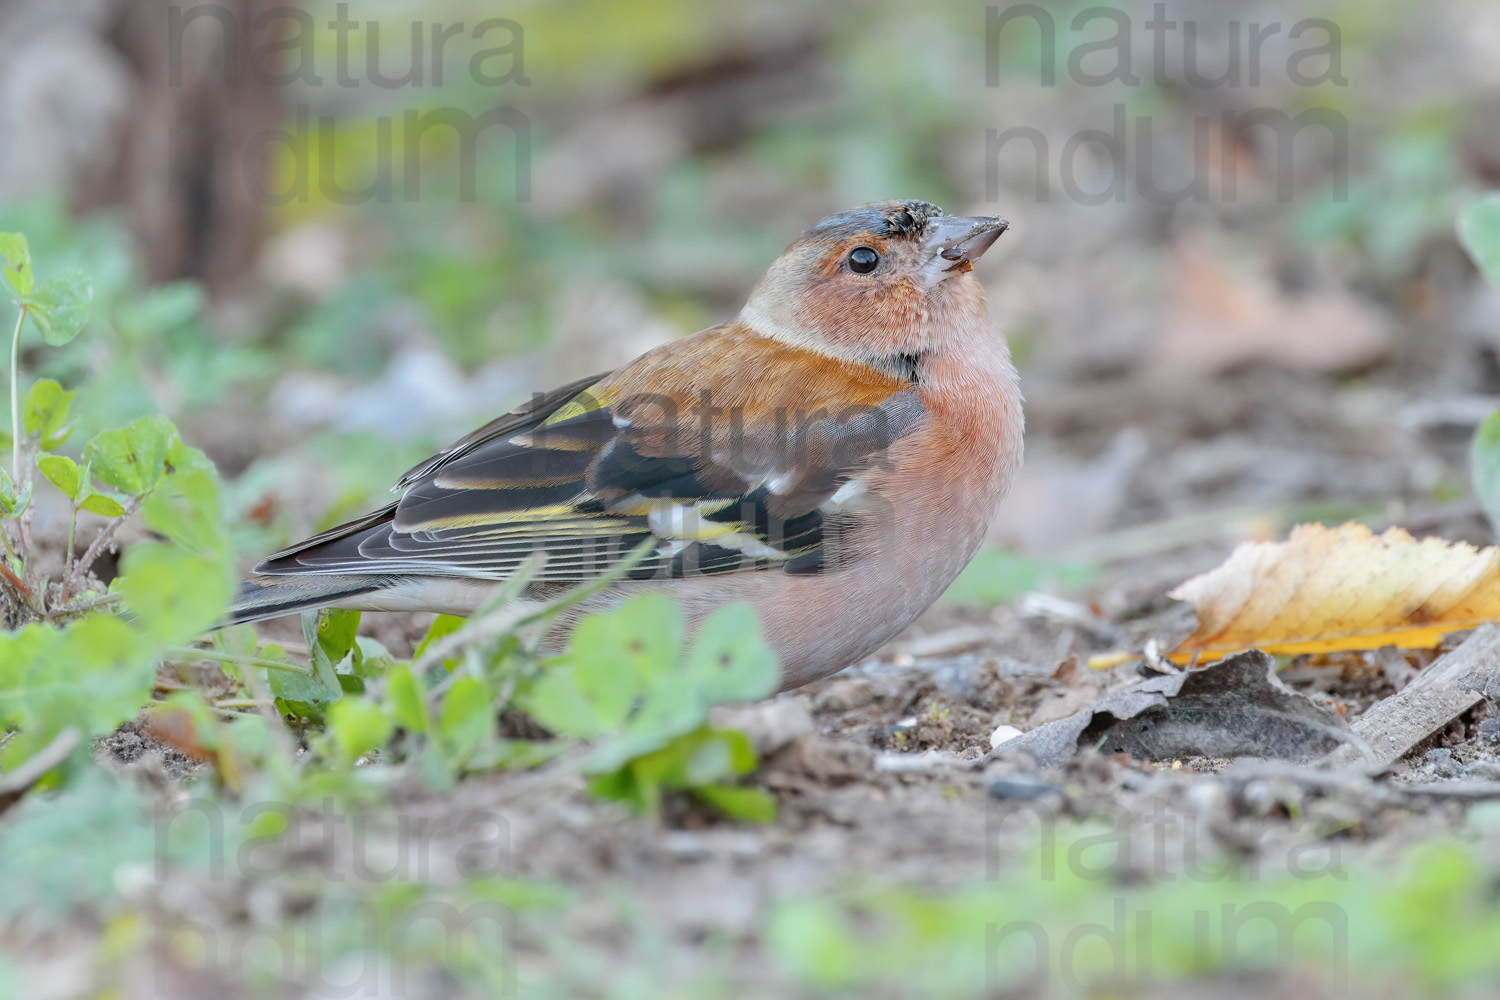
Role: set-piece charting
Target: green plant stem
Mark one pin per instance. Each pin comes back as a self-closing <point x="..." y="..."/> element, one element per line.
<point x="9" y="549"/>
<point x="266" y="706"/>
<point x="68" y="554"/>
<point x="100" y="541"/>
<point x="23" y="591"/>
<point x="15" y="396"/>
<point x="496" y="619"/>
<point x="193" y="652"/>
<point x="78" y="607"/>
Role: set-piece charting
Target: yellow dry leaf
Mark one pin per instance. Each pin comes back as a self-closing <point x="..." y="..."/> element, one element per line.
<point x="1331" y="589"/>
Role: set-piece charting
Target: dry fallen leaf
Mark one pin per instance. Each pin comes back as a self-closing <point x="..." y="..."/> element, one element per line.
<point x="1330" y="589"/>
<point x="1235" y="708"/>
<point x="1078" y="688"/>
<point x="1224" y="311"/>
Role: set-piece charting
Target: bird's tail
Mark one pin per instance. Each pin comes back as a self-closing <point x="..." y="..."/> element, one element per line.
<point x="265" y="597"/>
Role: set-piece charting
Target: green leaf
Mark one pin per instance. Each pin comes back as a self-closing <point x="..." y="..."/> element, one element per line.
<point x="750" y="804"/>
<point x="442" y="626"/>
<point x="435" y="769"/>
<point x="63" y="473"/>
<point x="1484" y="468"/>
<point x="811" y="937"/>
<point x="13" y="502"/>
<point x="1479" y="231"/>
<point x="507" y="754"/>
<point x="358" y="726"/>
<point x="175" y="593"/>
<point x="66" y="851"/>
<point x="183" y="457"/>
<point x="46" y="412"/>
<point x="16" y="256"/>
<point x="641" y="641"/>
<point x="467" y="716"/>
<point x="559" y="703"/>
<point x="60" y="308"/>
<point x="702" y="757"/>
<point x="404" y="700"/>
<point x="299" y="692"/>
<point x="322" y="664"/>
<point x="670" y="710"/>
<point x="133" y="458"/>
<point x="730" y="661"/>
<point x="95" y="675"/>
<point x="613" y="659"/>
<point x="185" y="508"/>
<point x="240" y="640"/>
<point x="370" y="659"/>
<point x="104" y="506"/>
<point x="336" y="633"/>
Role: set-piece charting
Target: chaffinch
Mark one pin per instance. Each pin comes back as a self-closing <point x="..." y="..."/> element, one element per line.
<point x="833" y="456"/>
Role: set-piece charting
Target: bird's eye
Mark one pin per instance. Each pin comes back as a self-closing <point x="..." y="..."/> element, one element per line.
<point x="863" y="260"/>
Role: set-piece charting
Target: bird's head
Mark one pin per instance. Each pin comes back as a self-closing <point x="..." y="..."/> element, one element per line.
<point x="885" y="279"/>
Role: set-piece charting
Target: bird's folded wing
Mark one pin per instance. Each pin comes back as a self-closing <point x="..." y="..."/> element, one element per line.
<point x="586" y="476"/>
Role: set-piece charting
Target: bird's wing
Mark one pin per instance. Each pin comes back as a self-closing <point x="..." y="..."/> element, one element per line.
<point x="586" y="474"/>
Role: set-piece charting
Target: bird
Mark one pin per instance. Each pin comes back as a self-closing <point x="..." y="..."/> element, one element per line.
<point x="832" y="457"/>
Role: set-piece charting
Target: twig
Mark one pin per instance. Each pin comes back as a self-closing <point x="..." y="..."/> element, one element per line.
<point x="15" y="783"/>
<point x="227" y="703"/>
<point x="492" y="626"/>
<point x="559" y="769"/>
<point x="243" y="659"/>
<point x="68" y="552"/>
<point x="265" y="703"/>
<point x="106" y="533"/>
<point x="18" y="583"/>
<point x="1453" y="789"/>
<point x="495" y="617"/>
<point x="1438" y="695"/>
<point x="1357" y="781"/>
<point x="78" y="607"/>
<point x="15" y="395"/>
<point x="583" y="591"/>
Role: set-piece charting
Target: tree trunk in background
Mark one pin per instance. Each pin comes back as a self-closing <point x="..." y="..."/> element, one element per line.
<point x="144" y="106"/>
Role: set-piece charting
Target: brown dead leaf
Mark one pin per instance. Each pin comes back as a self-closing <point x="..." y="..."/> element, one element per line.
<point x="175" y="727"/>
<point x="1331" y="589"/>
<point x="1235" y="708"/>
<point x="1224" y="312"/>
<point x="1077" y="689"/>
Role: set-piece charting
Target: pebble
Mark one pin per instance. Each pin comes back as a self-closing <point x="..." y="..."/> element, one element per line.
<point x="1021" y="787"/>
<point x="770" y="725"/>
<point x="1002" y="734"/>
<point x="1443" y="765"/>
<point x="895" y="762"/>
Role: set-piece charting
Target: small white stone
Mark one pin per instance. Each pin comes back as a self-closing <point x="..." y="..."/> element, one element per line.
<point x="1003" y="734"/>
<point x="894" y="762"/>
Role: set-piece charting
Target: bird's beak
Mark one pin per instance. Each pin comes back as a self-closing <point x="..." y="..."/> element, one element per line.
<point x="955" y="242"/>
